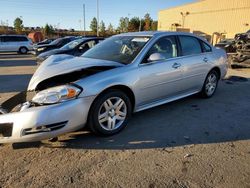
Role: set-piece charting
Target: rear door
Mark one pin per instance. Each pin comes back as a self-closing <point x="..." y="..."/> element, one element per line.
<point x="194" y="63"/>
<point x="14" y="43"/>
<point x="6" y="44"/>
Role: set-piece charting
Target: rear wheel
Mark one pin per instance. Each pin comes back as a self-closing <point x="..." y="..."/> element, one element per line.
<point x="210" y="84"/>
<point x="23" y="50"/>
<point x="109" y="113"/>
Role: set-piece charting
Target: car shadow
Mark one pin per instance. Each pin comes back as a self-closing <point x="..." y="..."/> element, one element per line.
<point x="17" y="62"/>
<point x="14" y="83"/>
<point x="190" y="121"/>
<point x="180" y="123"/>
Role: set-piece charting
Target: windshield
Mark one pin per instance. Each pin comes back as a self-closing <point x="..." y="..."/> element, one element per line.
<point x="71" y="45"/>
<point x="122" y="49"/>
<point x="55" y="42"/>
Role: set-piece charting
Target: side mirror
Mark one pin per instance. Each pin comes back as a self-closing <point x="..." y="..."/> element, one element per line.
<point x="156" y="57"/>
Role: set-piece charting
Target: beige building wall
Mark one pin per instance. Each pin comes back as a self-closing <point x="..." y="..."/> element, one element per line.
<point x="209" y="16"/>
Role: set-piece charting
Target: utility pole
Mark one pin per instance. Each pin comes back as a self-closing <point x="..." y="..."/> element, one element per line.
<point x="140" y="24"/>
<point x="80" y="22"/>
<point x="84" y="21"/>
<point x="97" y="33"/>
<point x="128" y="21"/>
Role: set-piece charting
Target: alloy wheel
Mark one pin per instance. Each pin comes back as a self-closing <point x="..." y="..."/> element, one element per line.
<point x="112" y="113"/>
<point x="211" y="84"/>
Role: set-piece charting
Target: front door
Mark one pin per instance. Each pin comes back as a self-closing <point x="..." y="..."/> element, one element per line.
<point x="160" y="79"/>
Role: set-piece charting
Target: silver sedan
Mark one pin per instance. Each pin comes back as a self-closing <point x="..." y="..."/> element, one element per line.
<point x="101" y="89"/>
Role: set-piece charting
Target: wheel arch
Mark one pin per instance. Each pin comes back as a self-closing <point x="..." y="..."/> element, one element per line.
<point x="127" y="90"/>
<point x="217" y="69"/>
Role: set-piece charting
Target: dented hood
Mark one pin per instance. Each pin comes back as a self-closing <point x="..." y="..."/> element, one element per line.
<point x="62" y="64"/>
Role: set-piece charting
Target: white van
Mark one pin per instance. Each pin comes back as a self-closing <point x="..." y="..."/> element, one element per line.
<point x="15" y="43"/>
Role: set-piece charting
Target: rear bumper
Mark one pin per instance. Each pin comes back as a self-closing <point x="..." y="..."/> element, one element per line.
<point x="44" y="122"/>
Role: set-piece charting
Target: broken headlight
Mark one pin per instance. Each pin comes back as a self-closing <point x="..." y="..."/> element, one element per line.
<point x="56" y="94"/>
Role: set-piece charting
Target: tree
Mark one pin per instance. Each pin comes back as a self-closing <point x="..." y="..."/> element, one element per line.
<point x="48" y="30"/>
<point x="93" y="25"/>
<point x="102" y="28"/>
<point x="142" y="24"/>
<point x="134" y="24"/>
<point x="110" y="29"/>
<point x="148" y="20"/>
<point x="154" y="25"/>
<point x="18" y="25"/>
<point x="123" y="25"/>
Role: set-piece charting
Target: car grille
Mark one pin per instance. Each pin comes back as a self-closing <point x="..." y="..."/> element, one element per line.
<point x="6" y="129"/>
<point x="45" y="128"/>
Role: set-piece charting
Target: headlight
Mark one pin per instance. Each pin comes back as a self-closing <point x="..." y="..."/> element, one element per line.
<point x="41" y="49"/>
<point x="56" y="94"/>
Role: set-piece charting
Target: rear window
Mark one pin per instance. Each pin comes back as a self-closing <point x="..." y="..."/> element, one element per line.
<point x="22" y="39"/>
<point x="206" y="47"/>
<point x="190" y="45"/>
<point x="14" y="39"/>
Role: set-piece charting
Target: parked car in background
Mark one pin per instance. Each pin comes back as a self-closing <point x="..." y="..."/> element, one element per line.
<point x="123" y="74"/>
<point x="15" y="43"/>
<point x="45" y="41"/>
<point x="58" y="43"/>
<point x="75" y="48"/>
<point x="227" y="44"/>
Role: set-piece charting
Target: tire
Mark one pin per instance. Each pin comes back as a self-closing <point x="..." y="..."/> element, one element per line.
<point x="23" y="50"/>
<point x="210" y="84"/>
<point x="109" y="113"/>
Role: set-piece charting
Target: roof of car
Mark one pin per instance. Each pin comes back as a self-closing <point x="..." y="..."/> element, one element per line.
<point x="13" y="36"/>
<point x="159" y="34"/>
<point x="155" y="33"/>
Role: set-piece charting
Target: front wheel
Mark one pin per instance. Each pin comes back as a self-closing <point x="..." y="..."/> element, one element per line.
<point x="23" y="50"/>
<point x="109" y="113"/>
<point x="210" y="84"/>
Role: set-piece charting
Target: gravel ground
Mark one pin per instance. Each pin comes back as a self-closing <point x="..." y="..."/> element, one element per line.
<point x="192" y="142"/>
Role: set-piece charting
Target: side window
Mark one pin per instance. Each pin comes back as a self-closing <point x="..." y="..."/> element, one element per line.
<point x="18" y="39"/>
<point x="64" y="41"/>
<point x="206" y="47"/>
<point x="21" y="39"/>
<point x="91" y="43"/>
<point x="7" y="39"/>
<point x="14" y="39"/>
<point x="190" y="45"/>
<point x="84" y="47"/>
<point x="166" y="47"/>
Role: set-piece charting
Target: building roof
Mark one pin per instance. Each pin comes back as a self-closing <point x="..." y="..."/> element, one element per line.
<point x="183" y="5"/>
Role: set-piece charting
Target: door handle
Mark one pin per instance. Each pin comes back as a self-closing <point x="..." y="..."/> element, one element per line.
<point x="205" y="59"/>
<point x="176" y="65"/>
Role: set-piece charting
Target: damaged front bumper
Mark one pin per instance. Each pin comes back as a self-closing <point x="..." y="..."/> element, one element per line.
<point x="30" y="123"/>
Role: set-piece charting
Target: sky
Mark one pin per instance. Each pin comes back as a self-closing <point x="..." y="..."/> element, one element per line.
<point x="66" y="14"/>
